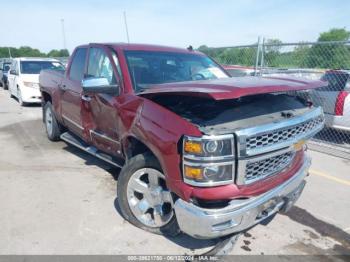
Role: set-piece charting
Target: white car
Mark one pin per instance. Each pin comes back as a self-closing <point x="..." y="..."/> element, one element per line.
<point x="23" y="77"/>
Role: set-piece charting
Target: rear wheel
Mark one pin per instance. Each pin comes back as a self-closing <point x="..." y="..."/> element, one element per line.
<point x="53" y="130"/>
<point x="144" y="198"/>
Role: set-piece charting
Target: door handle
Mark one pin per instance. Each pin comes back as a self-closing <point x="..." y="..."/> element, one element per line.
<point x="63" y="87"/>
<point x="86" y="98"/>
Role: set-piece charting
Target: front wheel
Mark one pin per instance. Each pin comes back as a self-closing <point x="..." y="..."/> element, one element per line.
<point x="144" y="198"/>
<point x="52" y="126"/>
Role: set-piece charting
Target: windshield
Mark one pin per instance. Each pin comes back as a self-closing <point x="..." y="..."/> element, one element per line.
<point x="148" y="68"/>
<point x="34" y="67"/>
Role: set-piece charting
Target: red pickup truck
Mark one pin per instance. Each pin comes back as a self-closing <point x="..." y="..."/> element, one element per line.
<point x="200" y="152"/>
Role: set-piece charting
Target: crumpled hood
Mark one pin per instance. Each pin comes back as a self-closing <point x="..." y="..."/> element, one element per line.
<point x="235" y="87"/>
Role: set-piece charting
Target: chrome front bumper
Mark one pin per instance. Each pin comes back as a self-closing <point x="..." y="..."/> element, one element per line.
<point x="240" y="214"/>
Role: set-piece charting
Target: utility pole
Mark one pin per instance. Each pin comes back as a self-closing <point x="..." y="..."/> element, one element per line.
<point x="126" y="27"/>
<point x="9" y="52"/>
<point x="63" y="34"/>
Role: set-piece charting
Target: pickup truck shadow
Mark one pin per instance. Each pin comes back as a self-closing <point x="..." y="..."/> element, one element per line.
<point x="182" y="240"/>
<point x="93" y="161"/>
<point x="305" y="218"/>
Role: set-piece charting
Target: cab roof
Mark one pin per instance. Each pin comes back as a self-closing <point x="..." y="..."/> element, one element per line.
<point x="145" y="47"/>
<point x="35" y="59"/>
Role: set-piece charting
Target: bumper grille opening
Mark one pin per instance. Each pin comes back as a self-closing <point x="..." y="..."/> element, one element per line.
<point x="267" y="167"/>
<point x="211" y="203"/>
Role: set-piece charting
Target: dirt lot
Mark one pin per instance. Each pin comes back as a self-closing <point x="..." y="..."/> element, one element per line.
<point x="55" y="199"/>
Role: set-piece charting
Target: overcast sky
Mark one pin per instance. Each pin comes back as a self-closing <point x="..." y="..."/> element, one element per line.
<point x="180" y="23"/>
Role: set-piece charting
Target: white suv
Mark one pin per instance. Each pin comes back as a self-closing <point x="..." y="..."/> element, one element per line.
<point x="23" y="77"/>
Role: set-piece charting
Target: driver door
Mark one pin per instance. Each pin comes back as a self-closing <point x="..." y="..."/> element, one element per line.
<point x="100" y="116"/>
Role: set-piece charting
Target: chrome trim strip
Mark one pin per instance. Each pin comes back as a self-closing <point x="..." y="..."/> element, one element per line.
<point x="103" y="136"/>
<point x="72" y="122"/>
<point x="243" y="134"/>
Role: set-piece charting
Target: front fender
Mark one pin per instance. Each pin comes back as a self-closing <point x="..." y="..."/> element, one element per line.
<point x="161" y="130"/>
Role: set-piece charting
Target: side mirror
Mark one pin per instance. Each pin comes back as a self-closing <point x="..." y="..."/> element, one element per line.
<point x="13" y="72"/>
<point x="99" y="85"/>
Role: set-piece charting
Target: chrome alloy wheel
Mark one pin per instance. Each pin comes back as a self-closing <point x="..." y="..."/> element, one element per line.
<point x="149" y="199"/>
<point x="48" y="121"/>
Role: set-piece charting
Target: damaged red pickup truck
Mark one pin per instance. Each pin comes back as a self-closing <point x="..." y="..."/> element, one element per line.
<point x="200" y="152"/>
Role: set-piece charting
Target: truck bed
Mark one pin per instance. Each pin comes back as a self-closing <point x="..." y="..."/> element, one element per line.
<point x="50" y="79"/>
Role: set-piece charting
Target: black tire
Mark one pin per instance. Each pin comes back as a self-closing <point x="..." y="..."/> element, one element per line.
<point x="20" y="100"/>
<point x="11" y="95"/>
<point x="137" y="162"/>
<point x="55" y="133"/>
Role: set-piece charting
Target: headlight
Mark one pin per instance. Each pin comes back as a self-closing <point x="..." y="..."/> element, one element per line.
<point x="31" y="84"/>
<point x="208" y="146"/>
<point x="208" y="175"/>
<point x="208" y="160"/>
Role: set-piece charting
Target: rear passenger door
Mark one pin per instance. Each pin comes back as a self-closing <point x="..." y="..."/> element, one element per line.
<point x="71" y="92"/>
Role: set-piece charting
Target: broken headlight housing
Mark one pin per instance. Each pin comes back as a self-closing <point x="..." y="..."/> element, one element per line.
<point x="208" y="160"/>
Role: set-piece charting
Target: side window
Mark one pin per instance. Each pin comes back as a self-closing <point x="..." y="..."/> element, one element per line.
<point x="14" y="66"/>
<point x="76" y="71"/>
<point x="100" y="65"/>
<point x="336" y="81"/>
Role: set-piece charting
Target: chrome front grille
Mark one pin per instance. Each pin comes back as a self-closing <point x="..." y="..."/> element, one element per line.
<point x="274" y="136"/>
<point x="267" y="167"/>
<point x="268" y="149"/>
<point x="278" y="136"/>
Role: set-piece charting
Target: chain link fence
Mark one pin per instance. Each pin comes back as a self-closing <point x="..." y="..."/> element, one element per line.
<point x="328" y="61"/>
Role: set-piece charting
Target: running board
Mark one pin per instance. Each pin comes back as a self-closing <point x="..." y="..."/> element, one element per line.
<point x="79" y="143"/>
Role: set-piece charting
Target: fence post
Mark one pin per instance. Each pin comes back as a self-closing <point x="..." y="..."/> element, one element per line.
<point x="257" y="57"/>
<point x="262" y="61"/>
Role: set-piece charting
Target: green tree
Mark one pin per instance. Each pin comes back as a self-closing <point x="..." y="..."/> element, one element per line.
<point x="272" y="51"/>
<point x="330" y="55"/>
<point x="58" y="53"/>
<point x="234" y="56"/>
<point x="300" y="54"/>
<point x="26" y="51"/>
<point x="335" y="34"/>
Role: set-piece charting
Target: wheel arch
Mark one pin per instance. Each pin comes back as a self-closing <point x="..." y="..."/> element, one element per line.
<point x="133" y="146"/>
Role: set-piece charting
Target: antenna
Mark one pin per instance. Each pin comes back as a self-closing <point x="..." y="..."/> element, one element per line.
<point x="63" y="34"/>
<point x="126" y="27"/>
